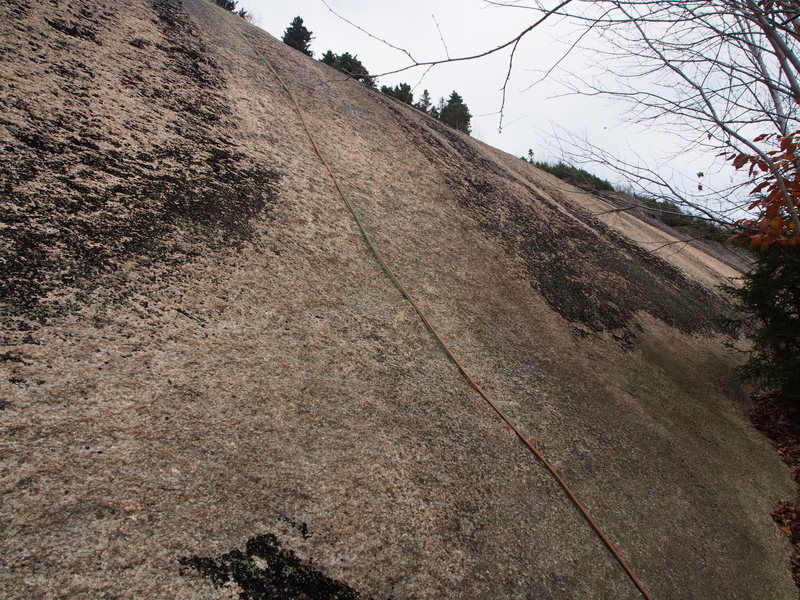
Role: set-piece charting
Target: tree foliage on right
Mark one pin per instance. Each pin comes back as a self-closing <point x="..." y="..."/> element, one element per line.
<point x="768" y="313"/>
<point x="298" y="37"/>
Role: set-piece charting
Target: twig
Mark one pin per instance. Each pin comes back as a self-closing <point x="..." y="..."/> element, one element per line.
<point x="374" y="37"/>
<point x="441" y="37"/>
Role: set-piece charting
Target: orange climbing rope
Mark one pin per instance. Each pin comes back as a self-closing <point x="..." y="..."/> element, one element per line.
<point x="564" y="485"/>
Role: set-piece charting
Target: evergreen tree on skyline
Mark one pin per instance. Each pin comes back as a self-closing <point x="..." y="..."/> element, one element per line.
<point x="424" y="103"/>
<point x="456" y="114"/>
<point x="402" y="92"/>
<point x="350" y="65"/>
<point x="298" y="37"/>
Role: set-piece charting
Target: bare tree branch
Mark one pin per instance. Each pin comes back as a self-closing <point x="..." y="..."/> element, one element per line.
<point x="441" y="37"/>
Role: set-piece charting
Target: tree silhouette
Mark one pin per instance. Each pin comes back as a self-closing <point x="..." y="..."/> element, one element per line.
<point x="350" y="65"/>
<point x="424" y="103"/>
<point x="767" y="308"/>
<point x="298" y="37"/>
<point x="402" y="92"/>
<point x="456" y="114"/>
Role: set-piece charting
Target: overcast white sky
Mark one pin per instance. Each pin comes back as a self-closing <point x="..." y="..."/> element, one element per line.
<point x="468" y="26"/>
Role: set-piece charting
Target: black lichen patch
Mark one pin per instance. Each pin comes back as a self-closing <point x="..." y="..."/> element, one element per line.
<point x="299" y="526"/>
<point x="84" y="191"/>
<point x="11" y="356"/>
<point x="265" y="571"/>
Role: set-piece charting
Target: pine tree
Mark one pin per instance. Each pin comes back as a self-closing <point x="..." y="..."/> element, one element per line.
<point x="456" y="114"/>
<point x="329" y="58"/>
<point x="350" y="65"/>
<point x="297" y="36"/>
<point x="402" y="92"/>
<point x="424" y="103"/>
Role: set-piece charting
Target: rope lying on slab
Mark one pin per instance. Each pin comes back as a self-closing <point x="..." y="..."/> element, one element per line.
<point x="387" y="269"/>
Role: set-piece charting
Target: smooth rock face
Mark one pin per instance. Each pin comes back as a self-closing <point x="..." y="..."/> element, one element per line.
<point x="205" y="372"/>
